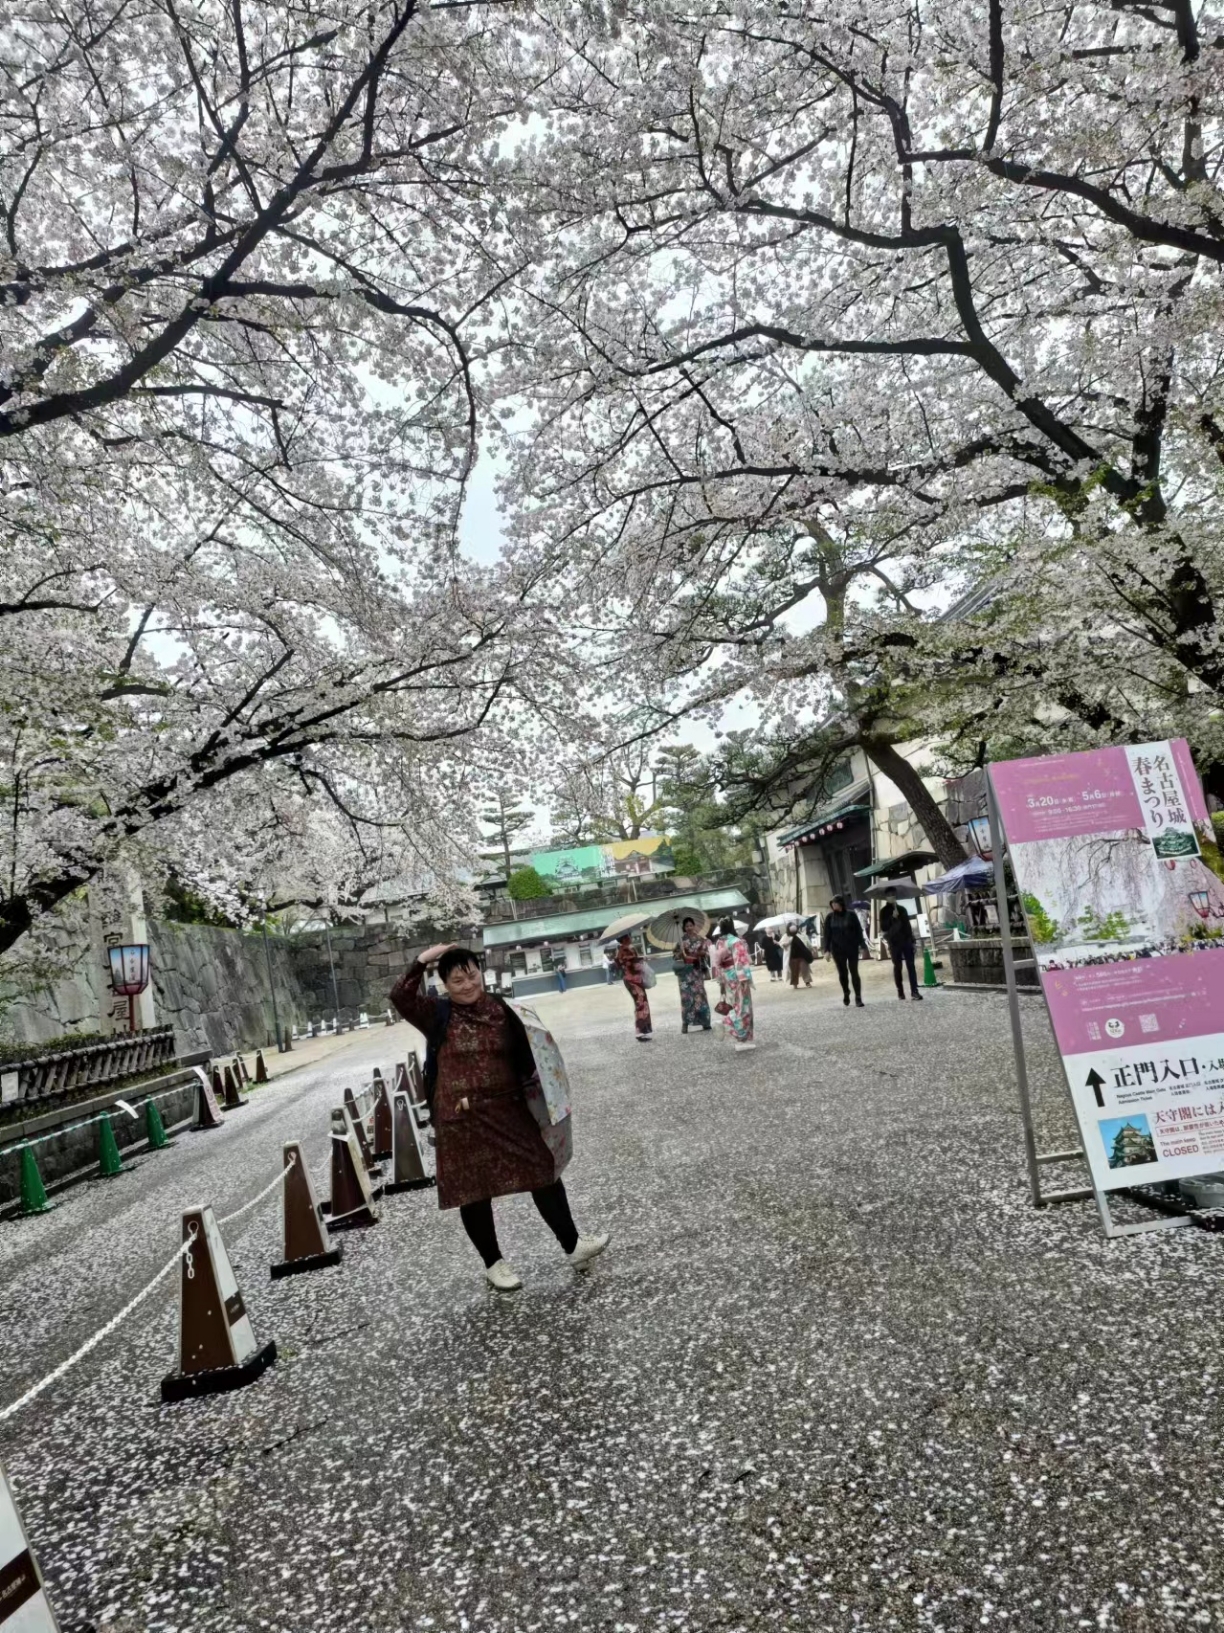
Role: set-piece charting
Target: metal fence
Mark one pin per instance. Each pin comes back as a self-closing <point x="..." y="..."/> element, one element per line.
<point x="97" y="1067"/>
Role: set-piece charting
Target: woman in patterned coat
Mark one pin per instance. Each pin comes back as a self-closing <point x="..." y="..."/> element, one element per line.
<point x="488" y="1143"/>
<point x="629" y="962"/>
<point x="735" y="968"/>
<point x="689" y="958"/>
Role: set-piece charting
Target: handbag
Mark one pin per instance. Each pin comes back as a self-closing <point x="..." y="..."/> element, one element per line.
<point x="722" y="1007"/>
<point x="649" y="978"/>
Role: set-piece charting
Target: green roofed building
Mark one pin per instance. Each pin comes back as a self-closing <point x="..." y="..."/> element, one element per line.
<point x="533" y="947"/>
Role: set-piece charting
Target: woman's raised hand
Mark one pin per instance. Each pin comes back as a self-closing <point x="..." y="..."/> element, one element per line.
<point x="431" y="955"/>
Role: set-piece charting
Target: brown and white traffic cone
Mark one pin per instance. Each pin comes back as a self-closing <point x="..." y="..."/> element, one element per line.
<point x="232" y="1098"/>
<point x="24" y="1605"/>
<point x="408" y="1172"/>
<point x="208" y="1112"/>
<point x="360" y="1130"/>
<point x="240" y="1071"/>
<point x="352" y="1201"/>
<point x="217" y="1348"/>
<point x="416" y="1077"/>
<point x="382" y="1118"/>
<point x="261" y="1068"/>
<point x="305" y="1241"/>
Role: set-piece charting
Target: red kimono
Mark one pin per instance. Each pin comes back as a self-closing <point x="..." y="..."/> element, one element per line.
<point x="488" y="1142"/>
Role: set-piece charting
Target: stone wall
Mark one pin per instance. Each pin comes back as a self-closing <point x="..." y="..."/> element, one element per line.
<point x="368" y="961"/>
<point x="64" y="986"/>
<point x="980" y="962"/>
<point x="213" y="985"/>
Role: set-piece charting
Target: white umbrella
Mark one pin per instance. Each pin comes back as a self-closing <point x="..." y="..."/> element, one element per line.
<point x="778" y="920"/>
<point x="623" y="925"/>
<point x="664" y="930"/>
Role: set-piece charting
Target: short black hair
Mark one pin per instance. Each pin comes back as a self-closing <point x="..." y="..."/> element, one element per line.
<point x="837" y="901"/>
<point x="684" y="923"/>
<point x="727" y="926"/>
<point x="457" y="958"/>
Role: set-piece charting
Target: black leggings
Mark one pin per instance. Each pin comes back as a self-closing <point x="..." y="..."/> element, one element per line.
<point x="847" y="971"/>
<point x="554" y="1208"/>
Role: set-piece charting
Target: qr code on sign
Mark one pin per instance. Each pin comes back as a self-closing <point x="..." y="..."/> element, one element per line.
<point x="1148" y="1023"/>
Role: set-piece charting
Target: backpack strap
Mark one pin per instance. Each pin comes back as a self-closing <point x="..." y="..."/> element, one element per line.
<point x="433" y="1044"/>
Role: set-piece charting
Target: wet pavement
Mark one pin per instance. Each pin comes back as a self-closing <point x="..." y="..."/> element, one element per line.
<point x="833" y="1373"/>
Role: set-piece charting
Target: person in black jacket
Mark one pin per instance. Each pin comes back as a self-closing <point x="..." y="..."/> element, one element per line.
<point x="844" y="941"/>
<point x="897" y="928"/>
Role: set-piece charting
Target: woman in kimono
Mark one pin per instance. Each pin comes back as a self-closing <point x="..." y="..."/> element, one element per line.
<point x="488" y="1143"/>
<point x="689" y="957"/>
<point x="629" y="962"/>
<point x="735" y="970"/>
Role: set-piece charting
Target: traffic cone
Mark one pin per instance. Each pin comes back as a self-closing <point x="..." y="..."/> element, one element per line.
<point x="208" y="1112"/>
<point x="155" y="1131"/>
<point x="928" y="969"/>
<point x="382" y="1119"/>
<point x="305" y="1243"/>
<point x="109" y="1161"/>
<point x="232" y="1098"/>
<point x="261" y="1069"/>
<point x="407" y="1165"/>
<point x="33" y="1191"/>
<point x="352" y="1201"/>
<point x="358" y="1124"/>
<point x="240" y="1071"/>
<point x="23" y="1598"/>
<point x="288" y="1042"/>
<point x="217" y="1348"/>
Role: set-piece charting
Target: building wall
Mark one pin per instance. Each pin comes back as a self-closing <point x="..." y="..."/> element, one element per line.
<point x="213" y="985"/>
<point x="894" y="830"/>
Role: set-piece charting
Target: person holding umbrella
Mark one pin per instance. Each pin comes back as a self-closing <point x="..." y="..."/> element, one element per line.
<point x="800" y="963"/>
<point x="844" y="940"/>
<point x="773" y="954"/>
<point x="633" y="973"/>
<point x="897" y="928"/>
<point x="735" y="972"/>
<point x="689" y="957"/>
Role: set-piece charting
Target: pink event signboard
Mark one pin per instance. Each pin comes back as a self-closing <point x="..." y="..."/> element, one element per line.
<point x="1122" y="884"/>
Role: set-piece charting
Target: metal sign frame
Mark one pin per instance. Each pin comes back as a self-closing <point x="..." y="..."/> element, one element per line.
<point x="1034" y="1158"/>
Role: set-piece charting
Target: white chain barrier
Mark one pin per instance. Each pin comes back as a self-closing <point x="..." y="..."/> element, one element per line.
<point x="103" y="1332"/>
<point x="85" y="1122"/>
<point x="266" y="1192"/>
<point x="92" y="1342"/>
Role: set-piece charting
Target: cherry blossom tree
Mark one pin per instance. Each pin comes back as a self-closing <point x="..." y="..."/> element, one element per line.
<point x="245" y="297"/>
<point x="841" y="316"/>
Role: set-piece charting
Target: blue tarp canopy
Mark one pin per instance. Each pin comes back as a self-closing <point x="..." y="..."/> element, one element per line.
<point x="969" y="875"/>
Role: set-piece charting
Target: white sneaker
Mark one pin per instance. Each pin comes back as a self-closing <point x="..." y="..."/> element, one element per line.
<point x="504" y="1277"/>
<point x="588" y="1248"/>
<point x="740" y="1047"/>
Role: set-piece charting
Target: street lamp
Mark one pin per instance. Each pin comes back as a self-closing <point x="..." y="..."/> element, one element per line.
<point x="979" y="833"/>
<point x="129" y="973"/>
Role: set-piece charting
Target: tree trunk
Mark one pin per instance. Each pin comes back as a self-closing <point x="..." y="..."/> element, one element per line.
<point x="935" y="825"/>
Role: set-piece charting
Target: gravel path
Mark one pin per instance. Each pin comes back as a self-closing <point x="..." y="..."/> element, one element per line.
<point x="834" y="1372"/>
